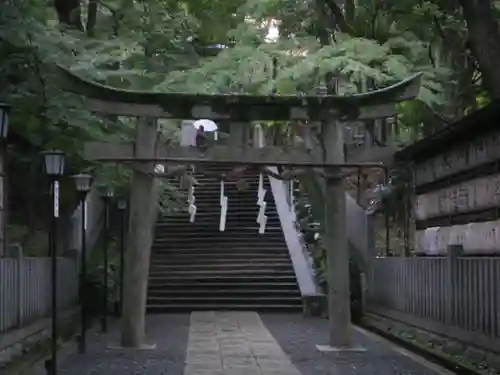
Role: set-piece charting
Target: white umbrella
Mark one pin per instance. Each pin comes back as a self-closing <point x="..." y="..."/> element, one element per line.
<point x="208" y="125"/>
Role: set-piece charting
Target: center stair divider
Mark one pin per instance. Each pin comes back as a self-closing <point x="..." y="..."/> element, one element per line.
<point x="194" y="266"/>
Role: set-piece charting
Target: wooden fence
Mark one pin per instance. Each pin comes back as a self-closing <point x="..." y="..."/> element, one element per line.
<point x="25" y="289"/>
<point x="454" y="297"/>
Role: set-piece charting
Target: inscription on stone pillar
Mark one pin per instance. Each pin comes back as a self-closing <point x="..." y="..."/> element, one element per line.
<point x="460" y="158"/>
<point x="477" y="194"/>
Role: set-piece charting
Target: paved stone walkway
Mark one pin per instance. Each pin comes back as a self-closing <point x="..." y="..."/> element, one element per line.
<point x="233" y="343"/>
<point x="236" y="343"/>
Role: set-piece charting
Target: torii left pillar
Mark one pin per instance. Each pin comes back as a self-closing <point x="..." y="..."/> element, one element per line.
<point x="143" y="205"/>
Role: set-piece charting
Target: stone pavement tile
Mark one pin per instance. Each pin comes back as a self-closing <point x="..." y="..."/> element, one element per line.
<point x="204" y="351"/>
<point x="210" y="361"/>
<point x="242" y="370"/>
<point x="238" y="361"/>
<point x="190" y="371"/>
<point x="286" y="371"/>
<point x="237" y="348"/>
<point x="203" y="316"/>
<point x="226" y="341"/>
<point x="230" y="335"/>
<point x="237" y="354"/>
<point x="193" y="367"/>
<point x="267" y="350"/>
<point x="270" y="364"/>
<point x="241" y="341"/>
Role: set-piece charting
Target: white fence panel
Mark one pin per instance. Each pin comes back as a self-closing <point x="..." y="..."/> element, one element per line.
<point x="25" y="289"/>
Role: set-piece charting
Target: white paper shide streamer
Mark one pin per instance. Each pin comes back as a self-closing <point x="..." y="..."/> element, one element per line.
<point x="261" y="192"/>
<point x="223" y="208"/>
<point x="261" y="217"/>
<point x="191" y="205"/>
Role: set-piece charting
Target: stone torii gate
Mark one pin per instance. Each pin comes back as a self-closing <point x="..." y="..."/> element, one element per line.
<point x="239" y="110"/>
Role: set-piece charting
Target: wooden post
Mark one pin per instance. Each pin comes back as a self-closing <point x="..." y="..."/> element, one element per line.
<point x="237" y="134"/>
<point x="386" y="219"/>
<point x="143" y="201"/>
<point x="370" y="253"/>
<point x="3" y="203"/>
<point x="454" y="252"/>
<point x="20" y="287"/>
<point x="339" y="304"/>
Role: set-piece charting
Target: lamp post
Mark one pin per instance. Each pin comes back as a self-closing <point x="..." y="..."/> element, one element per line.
<point x="106" y="197"/>
<point x="122" y="206"/>
<point x="54" y="167"/>
<point x="83" y="183"/>
<point x="4" y="129"/>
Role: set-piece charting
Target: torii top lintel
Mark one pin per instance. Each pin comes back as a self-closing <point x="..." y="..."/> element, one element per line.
<point x="239" y="107"/>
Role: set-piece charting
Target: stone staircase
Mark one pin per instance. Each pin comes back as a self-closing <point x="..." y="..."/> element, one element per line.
<point x="196" y="267"/>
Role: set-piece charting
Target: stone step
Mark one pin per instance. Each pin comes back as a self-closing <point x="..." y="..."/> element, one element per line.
<point x="201" y="250"/>
<point x="231" y="221"/>
<point x="287" y="300"/>
<point x="250" y="186"/>
<point x="217" y="259"/>
<point x="226" y="278"/>
<point x="231" y="272"/>
<point x="216" y="208"/>
<point x="234" y="293"/>
<point x="227" y="240"/>
<point x="194" y="266"/>
<point x="201" y="227"/>
<point x="168" y="235"/>
<point x="214" y="215"/>
<point x="249" y="306"/>
<point x="233" y="226"/>
<point x="175" y="251"/>
<point x="221" y="267"/>
<point x="182" y="285"/>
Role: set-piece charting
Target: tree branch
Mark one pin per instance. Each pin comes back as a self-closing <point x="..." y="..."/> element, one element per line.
<point x="340" y="21"/>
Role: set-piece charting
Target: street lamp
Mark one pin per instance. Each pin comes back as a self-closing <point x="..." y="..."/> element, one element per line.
<point x="83" y="183"/>
<point x="106" y="197"/>
<point x="4" y="129"/>
<point x="122" y="206"/>
<point x="54" y="167"/>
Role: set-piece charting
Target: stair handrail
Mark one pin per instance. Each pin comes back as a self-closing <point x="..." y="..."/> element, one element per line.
<point x="302" y="263"/>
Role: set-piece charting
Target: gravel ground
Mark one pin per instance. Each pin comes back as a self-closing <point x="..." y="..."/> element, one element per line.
<point x="298" y="337"/>
<point x="169" y="332"/>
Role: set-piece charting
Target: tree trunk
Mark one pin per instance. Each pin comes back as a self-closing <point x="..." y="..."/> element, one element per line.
<point x="484" y="40"/>
<point x="350" y="11"/>
<point x="143" y="203"/>
<point x="91" y="17"/>
<point x="69" y="13"/>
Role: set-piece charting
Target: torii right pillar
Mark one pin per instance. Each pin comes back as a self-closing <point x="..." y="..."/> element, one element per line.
<point x="335" y="234"/>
